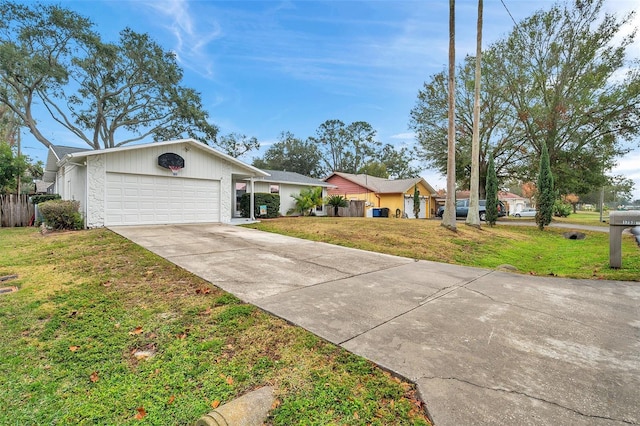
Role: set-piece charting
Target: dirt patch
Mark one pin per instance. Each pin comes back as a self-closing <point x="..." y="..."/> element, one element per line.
<point x="7" y="290"/>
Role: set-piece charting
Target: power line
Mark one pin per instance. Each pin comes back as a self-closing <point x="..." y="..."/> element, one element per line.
<point x="510" y="15"/>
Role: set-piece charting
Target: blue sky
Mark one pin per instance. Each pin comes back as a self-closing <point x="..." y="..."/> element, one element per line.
<point x="264" y="67"/>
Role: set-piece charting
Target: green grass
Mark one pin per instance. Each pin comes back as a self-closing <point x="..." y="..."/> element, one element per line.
<point x="88" y="301"/>
<point x="531" y="251"/>
<point x="585" y="218"/>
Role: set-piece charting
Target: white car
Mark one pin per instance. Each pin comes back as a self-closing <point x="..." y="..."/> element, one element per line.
<point x="527" y="212"/>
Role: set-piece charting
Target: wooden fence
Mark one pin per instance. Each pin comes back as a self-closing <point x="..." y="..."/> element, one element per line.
<point x="15" y="210"/>
<point x="355" y="209"/>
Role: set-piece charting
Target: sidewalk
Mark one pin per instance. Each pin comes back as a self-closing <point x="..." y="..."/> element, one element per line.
<point x="483" y="347"/>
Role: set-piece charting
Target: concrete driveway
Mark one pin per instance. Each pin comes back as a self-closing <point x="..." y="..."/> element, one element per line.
<point x="483" y="347"/>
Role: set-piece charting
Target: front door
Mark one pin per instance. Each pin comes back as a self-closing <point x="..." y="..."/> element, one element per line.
<point x="241" y="189"/>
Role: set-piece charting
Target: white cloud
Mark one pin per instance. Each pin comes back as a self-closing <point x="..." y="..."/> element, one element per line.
<point x="407" y="135"/>
<point x="192" y="34"/>
<point x="629" y="167"/>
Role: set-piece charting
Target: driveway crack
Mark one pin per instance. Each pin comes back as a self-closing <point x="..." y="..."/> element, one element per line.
<point x="515" y="392"/>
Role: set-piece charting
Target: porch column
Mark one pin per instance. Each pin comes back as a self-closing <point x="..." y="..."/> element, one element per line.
<point x="252" y="200"/>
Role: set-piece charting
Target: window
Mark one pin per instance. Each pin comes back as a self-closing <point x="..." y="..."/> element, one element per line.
<point x="274" y="189"/>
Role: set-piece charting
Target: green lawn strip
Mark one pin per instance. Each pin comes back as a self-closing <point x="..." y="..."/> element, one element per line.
<point x="90" y="303"/>
<point x="585" y="218"/>
<point x="530" y="250"/>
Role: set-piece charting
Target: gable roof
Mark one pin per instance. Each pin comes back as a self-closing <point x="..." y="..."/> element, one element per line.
<point x="54" y="155"/>
<point x="382" y="185"/>
<point x="58" y="155"/>
<point x="278" y="176"/>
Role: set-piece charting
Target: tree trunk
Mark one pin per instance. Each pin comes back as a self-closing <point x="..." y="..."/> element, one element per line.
<point x="473" y="217"/>
<point x="449" y="216"/>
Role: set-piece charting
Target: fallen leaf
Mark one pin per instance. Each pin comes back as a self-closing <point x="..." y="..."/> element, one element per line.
<point x="74" y="348"/>
<point x="142" y="355"/>
<point x="94" y="377"/>
<point x="275" y="404"/>
<point x="182" y="336"/>
<point x="171" y="399"/>
<point x="107" y="284"/>
<point x="117" y="325"/>
<point x="207" y="311"/>
<point x="215" y="404"/>
<point x="355" y="415"/>
<point x="138" y="330"/>
<point x="141" y="413"/>
<point x="229" y="380"/>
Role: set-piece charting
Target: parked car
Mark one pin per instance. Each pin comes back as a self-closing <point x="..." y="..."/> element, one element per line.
<point x="526" y="212"/>
<point x="462" y="209"/>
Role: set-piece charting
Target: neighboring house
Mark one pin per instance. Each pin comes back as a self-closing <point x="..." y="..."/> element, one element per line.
<point x="515" y="203"/>
<point x="180" y="181"/>
<point x="395" y="195"/>
<point x="287" y="184"/>
<point x="42" y="187"/>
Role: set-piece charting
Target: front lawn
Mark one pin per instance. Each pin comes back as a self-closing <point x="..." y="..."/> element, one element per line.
<point x="104" y="332"/>
<point x="531" y="251"/>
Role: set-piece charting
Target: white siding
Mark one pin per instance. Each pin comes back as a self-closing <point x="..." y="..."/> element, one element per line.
<point x="71" y="184"/>
<point x="198" y="163"/>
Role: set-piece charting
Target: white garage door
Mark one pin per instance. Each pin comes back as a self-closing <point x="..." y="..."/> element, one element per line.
<point x="146" y="200"/>
<point x="408" y="208"/>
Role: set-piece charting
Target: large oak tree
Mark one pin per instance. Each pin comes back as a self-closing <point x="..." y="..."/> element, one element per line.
<point x="106" y="94"/>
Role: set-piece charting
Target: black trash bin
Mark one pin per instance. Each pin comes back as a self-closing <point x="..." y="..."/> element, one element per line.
<point x="384" y="212"/>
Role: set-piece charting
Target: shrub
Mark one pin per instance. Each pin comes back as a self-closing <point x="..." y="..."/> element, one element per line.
<point x="61" y="214"/>
<point x="272" y="201"/>
<point x="491" y="204"/>
<point x="562" y="209"/>
<point x="307" y="200"/>
<point x="546" y="196"/>
<point x="336" y="201"/>
<point x="37" y="199"/>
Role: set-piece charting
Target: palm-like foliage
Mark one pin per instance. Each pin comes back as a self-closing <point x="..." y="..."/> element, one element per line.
<point x="336" y="201"/>
<point x="307" y="199"/>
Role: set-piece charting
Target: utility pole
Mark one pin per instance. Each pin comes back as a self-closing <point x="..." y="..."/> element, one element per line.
<point x="19" y="152"/>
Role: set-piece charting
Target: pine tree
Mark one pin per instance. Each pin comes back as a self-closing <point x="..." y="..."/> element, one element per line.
<point x="546" y="195"/>
<point x="492" y="193"/>
<point x="416" y="201"/>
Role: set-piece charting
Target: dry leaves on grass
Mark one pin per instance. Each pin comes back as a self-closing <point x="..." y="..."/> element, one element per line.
<point x="141" y="413"/>
<point x="94" y="377"/>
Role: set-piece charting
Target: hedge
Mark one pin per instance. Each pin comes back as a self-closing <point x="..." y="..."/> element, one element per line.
<point x="272" y="201"/>
<point x="37" y="199"/>
<point x="59" y="214"/>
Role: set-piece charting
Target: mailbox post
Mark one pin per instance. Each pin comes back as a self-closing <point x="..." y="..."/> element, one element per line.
<point x="618" y="222"/>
